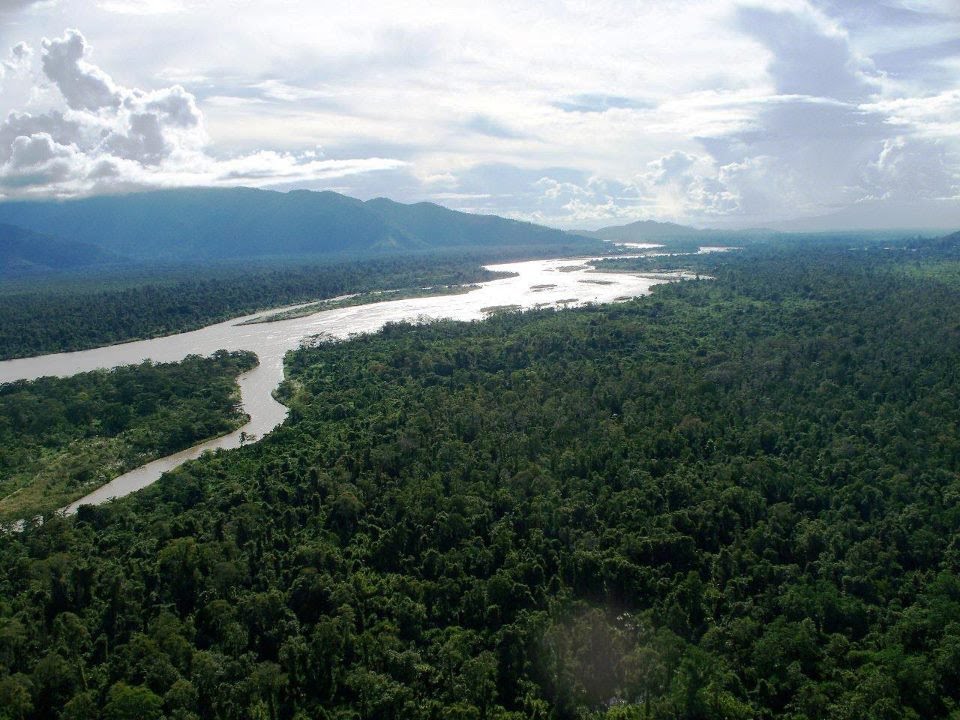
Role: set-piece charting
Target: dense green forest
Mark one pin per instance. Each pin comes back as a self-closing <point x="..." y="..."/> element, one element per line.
<point x="61" y="438"/>
<point x="83" y="312"/>
<point x="734" y="498"/>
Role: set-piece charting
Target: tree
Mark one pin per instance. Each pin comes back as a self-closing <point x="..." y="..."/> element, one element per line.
<point x="125" y="702"/>
<point x="15" y="702"/>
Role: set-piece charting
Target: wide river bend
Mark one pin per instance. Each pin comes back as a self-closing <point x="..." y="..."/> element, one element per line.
<point x="565" y="282"/>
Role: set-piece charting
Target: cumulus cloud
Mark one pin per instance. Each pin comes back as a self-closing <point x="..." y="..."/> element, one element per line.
<point x="911" y="169"/>
<point x="806" y="143"/>
<point x="820" y="128"/>
<point x="673" y="169"/>
<point x="84" y="86"/>
<point x="18" y="59"/>
<point x="807" y="55"/>
<point x="823" y="138"/>
<point x="53" y="124"/>
<point x="705" y="112"/>
<point x="677" y="186"/>
<point x="38" y="160"/>
<point x="20" y="55"/>
<point x="110" y="137"/>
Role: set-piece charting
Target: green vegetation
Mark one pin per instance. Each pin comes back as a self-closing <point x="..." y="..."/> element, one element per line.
<point x="26" y="254"/>
<point x="74" y="314"/>
<point x="86" y="272"/>
<point x="735" y="498"/>
<point x="61" y="438"/>
<point x="365" y="299"/>
<point x="494" y="309"/>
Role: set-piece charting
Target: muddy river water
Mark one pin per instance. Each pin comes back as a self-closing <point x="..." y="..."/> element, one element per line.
<point x="561" y="283"/>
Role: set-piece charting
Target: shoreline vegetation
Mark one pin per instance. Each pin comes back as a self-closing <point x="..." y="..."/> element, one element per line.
<point x="62" y="438"/>
<point x="656" y="270"/>
<point x="66" y="313"/>
<point x="64" y="475"/>
<point x="498" y="309"/>
<point x="69" y="313"/>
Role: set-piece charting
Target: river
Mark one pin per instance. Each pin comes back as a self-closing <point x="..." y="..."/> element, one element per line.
<point x="565" y="282"/>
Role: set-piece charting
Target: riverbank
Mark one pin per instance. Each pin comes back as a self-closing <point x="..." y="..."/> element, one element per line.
<point x="61" y="438"/>
<point x="531" y="284"/>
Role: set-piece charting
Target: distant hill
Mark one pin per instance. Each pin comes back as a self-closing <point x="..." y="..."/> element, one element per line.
<point x="668" y="233"/>
<point x="25" y="252"/>
<point x="173" y="225"/>
<point x="440" y="227"/>
<point x="645" y="231"/>
<point x="948" y="245"/>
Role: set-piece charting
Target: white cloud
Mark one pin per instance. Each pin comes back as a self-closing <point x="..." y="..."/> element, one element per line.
<point x="20" y="55"/>
<point x="911" y="169"/>
<point x="19" y="59"/>
<point x="573" y="112"/>
<point x="109" y="137"/>
<point x="934" y="116"/>
<point x="38" y="160"/>
<point x="142" y="7"/>
<point x="55" y="125"/>
<point x="84" y="86"/>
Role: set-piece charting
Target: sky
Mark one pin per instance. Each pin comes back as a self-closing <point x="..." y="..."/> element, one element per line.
<point x="800" y="114"/>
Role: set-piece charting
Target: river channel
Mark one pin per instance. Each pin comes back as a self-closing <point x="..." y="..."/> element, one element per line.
<point x="540" y="283"/>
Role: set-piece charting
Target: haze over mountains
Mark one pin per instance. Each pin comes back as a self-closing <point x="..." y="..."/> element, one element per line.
<point x="668" y="233"/>
<point x="25" y="252"/>
<point x="672" y="234"/>
<point x="208" y="224"/>
<point x="176" y="225"/>
<point x="643" y="231"/>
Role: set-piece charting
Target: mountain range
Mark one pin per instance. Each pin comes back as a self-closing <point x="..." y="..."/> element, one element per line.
<point x="652" y="231"/>
<point x="643" y="231"/>
<point x="197" y="224"/>
<point x="207" y="224"/>
<point x="25" y="252"/>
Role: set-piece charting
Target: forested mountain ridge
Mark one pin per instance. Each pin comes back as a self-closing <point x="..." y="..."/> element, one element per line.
<point x="670" y="234"/>
<point x="438" y="227"/>
<point x="735" y="498"/>
<point x="210" y="223"/>
<point x="26" y="253"/>
<point x="649" y="230"/>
